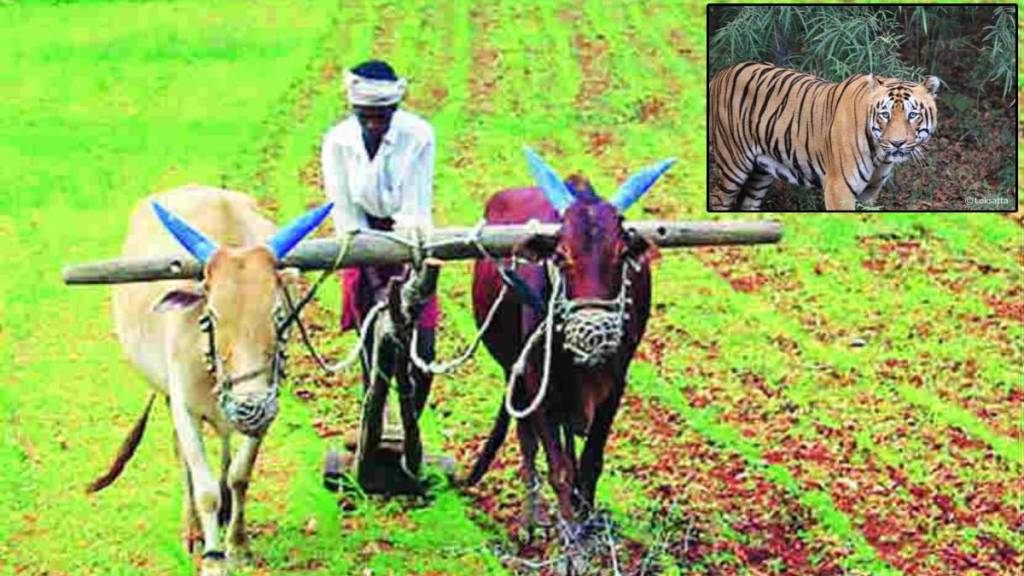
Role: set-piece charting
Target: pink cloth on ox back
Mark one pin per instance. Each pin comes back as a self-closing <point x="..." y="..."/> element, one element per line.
<point x="353" y="311"/>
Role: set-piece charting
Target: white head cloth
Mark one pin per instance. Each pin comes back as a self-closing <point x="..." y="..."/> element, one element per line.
<point x="372" y="92"/>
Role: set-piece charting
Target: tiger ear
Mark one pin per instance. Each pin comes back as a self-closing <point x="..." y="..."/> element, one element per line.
<point x="871" y="81"/>
<point x="932" y="83"/>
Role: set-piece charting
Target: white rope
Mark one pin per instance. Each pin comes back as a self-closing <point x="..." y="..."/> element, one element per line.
<point x="353" y="354"/>
<point x="437" y="367"/>
<point x="364" y="329"/>
<point x="547" y="328"/>
<point x="449" y="366"/>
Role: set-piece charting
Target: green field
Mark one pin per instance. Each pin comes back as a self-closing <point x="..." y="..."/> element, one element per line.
<point x="846" y="402"/>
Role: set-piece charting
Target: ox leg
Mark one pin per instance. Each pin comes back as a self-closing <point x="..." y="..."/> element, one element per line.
<point x="592" y="460"/>
<point x="224" y="513"/>
<point x="239" y="473"/>
<point x="570" y="450"/>
<point x="205" y="489"/>
<point x="533" y="514"/>
<point x="191" y="531"/>
<point x="560" y="474"/>
<point x="569" y="446"/>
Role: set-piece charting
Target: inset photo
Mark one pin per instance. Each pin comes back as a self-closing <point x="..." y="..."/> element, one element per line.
<point x="846" y="108"/>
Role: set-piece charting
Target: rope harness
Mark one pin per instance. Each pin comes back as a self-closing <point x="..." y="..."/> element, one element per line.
<point x="364" y="328"/>
<point x="437" y="367"/>
<point x="419" y="249"/>
<point x="593" y="331"/>
<point x="545" y="328"/>
<point x="250" y="413"/>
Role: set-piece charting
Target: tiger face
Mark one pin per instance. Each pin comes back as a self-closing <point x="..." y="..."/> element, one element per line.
<point x="903" y="117"/>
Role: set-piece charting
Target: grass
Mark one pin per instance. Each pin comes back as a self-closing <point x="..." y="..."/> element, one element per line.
<point x="754" y="437"/>
<point x="168" y="98"/>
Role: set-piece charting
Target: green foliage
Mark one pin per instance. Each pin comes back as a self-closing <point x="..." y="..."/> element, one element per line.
<point x="934" y="33"/>
<point x="854" y="40"/>
<point x="1001" y="48"/>
<point x="897" y="41"/>
<point x="832" y="42"/>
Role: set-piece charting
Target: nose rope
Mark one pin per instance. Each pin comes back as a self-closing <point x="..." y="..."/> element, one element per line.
<point x="545" y="328"/>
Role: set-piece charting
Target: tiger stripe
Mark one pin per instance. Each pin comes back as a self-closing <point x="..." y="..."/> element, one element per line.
<point x="768" y="123"/>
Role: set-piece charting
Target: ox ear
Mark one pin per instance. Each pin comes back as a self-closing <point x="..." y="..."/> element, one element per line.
<point x="286" y="238"/>
<point x="636" y="185"/>
<point x="536" y="248"/>
<point x="640" y="248"/>
<point x="179" y="299"/>
<point x="554" y="189"/>
<point x="191" y="239"/>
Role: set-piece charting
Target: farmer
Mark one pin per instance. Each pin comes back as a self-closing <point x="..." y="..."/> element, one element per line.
<point x="378" y="168"/>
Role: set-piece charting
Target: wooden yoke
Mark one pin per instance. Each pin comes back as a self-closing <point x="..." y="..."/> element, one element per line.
<point x="443" y="244"/>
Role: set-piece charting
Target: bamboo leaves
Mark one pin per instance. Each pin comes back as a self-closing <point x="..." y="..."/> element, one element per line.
<point x="1000" y="49"/>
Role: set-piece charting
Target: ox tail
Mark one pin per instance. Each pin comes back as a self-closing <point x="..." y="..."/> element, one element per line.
<point x="125" y="453"/>
<point x="494" y="442"/>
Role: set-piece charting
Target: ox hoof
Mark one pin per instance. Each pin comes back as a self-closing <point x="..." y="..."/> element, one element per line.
<point x="240" y="555"/>
<point x="533" y="520"/>
<point x="213" y="564"/>
<point x="335" y="466"/>
<point x="597" y="523"/>
<point x="536" y="516"/>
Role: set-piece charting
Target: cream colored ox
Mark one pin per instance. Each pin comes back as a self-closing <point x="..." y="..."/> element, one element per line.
<point x="214" y="348"/>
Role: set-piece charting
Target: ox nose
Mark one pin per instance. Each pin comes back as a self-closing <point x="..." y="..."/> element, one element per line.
<point x="897" y="144"/>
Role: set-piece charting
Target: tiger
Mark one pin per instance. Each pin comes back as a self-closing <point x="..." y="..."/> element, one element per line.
<point x="767" y="122"/>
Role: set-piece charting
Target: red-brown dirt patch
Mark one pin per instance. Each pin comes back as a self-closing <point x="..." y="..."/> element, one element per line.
<point x="486" y="63"/>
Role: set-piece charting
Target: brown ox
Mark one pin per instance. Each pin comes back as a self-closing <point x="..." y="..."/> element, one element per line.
<point x="598" y="290"/>
<point x="211" y="347"/>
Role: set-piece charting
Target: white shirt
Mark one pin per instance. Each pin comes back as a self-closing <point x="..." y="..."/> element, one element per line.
<point x="397" y="183"/>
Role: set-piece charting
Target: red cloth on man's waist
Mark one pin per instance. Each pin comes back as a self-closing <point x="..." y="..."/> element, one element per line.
<point x="355" y="299"/>
<point x="353" y="311"/>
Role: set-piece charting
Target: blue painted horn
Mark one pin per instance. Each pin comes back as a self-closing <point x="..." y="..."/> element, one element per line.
<point x="554" y="189"/>
<point x="286" y="238"/>
<point x="280" y="244"/>
<point x="191" y="239"/>
<point x="638" y="184"/>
